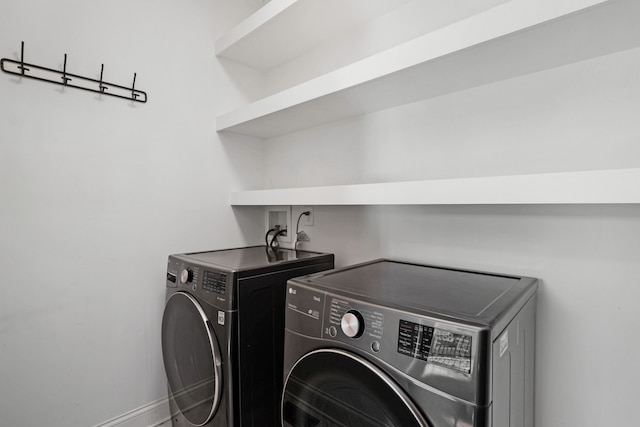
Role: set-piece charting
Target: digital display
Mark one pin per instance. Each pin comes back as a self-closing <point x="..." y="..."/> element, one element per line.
<point x="435" y="346"/>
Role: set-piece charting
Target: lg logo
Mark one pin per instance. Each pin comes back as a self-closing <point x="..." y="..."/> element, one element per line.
<point x="292" y="291"/>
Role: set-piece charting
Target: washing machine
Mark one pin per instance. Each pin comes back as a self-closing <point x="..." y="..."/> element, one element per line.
<point x="222" y="333"/>
<point x="389" y="343"/>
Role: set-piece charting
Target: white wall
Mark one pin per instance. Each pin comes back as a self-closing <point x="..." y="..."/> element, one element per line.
<point x="587" y="260"/>
<point x="571" y="118"/>
<point x="95" y="192"/>
<point x="578" y="117"/>
<point x="380" y="33"/>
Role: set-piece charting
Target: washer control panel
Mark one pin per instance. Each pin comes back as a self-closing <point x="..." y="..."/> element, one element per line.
<point x="186" y="276"/>
<point x="355" y="321"/>
<point x="214" y="281"/>
<point x="420" y="343"/>
<point x="352" y="324"/>
<point x="435" y="346"/>
<point x="211" y="285"/>
<point x="414" y="340"/>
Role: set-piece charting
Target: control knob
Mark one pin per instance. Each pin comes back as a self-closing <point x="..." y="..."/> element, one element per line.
<point x="186" y="276"/>
<point x="352" y="324"/>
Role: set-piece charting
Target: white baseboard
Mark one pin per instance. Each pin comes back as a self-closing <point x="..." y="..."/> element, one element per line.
<point x="149" y="415"/>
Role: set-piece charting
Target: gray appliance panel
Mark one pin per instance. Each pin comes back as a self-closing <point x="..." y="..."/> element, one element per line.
<point x="406" y="308"/>
<point x="232" y="287"/>
<point x="473" y="297"/>
<point x="250" y="258"/>
<point x="215" y="276"/>
<point x="423" y="355"/>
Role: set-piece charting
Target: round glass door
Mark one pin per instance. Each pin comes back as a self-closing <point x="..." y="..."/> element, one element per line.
<point x="335" y="388"/>
<point x="191" y="358"/>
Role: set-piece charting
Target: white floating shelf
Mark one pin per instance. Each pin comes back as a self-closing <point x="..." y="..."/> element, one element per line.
<point x="616" y="186"/>
<point x="284" y="29"/>
<point x="509" y="40"/>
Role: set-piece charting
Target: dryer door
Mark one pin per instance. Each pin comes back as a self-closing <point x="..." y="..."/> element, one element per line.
<point x="191" y="358"/>
<point x="336" y="388"/>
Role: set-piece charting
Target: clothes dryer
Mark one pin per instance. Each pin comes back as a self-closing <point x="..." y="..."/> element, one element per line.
<point x="222" y="333"/>
<point x="394" y="344"/>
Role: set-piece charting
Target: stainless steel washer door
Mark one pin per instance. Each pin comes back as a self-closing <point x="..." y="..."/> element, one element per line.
<point x="191" y="358"/>
<point x="336" y="388"/>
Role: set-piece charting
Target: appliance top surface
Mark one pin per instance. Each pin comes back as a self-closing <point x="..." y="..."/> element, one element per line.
<point x="249" y="258"/>
<point x="430" y="289"/>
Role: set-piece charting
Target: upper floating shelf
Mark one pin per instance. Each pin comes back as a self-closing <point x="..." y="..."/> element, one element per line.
<point x="512" y="39"/>
<point x="616" y="186"/>
<point x="284" y="29"/>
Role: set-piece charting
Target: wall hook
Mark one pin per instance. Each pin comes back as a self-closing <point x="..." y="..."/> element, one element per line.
<point x="134" y="95"/>
<point x="21" y="66"/>
<point x="64" y="77"/>
<point x="36" y="72"/>
<point x="101" y="86"/>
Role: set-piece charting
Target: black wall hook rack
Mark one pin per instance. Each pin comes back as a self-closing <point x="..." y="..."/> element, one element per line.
<point x="24" y="69"/>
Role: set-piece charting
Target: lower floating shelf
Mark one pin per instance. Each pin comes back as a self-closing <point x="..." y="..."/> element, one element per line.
<point x="613" y="186"/>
